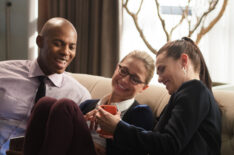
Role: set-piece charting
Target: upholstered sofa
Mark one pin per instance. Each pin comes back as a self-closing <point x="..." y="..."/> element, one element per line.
<point x="157" y="97"/>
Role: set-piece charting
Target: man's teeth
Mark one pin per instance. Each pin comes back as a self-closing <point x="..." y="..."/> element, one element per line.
<point x="61" y="61"/>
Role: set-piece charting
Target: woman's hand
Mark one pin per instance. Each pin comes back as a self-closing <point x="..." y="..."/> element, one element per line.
<point x="107" y="121"/>
<point x="91" y="116"/>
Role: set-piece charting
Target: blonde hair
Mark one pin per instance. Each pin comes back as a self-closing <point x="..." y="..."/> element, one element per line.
<point x="148" y="61"/>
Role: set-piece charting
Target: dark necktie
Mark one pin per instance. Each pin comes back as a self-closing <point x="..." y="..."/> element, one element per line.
<point x="41" y="89"/>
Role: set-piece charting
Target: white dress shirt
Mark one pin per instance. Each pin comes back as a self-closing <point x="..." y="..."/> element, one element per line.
<point x="18" y="87"/>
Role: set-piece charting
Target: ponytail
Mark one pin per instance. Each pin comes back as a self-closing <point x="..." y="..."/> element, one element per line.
<point x="204" y="73"/>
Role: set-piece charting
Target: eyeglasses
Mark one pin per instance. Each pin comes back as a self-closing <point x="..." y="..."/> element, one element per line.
<point x="123" y="71"/>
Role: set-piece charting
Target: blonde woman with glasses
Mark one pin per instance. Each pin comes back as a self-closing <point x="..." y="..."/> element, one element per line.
<point x="130" y="78"/>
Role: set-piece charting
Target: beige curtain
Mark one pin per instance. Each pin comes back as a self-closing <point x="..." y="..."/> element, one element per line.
<point x="97" y="24"/>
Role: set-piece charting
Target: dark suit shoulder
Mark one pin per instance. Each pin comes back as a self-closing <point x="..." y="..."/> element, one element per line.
<point x="136" y="107"/>
<point x="88" y="105"/>
<point x="142" y="107"/>
<point x="193" y="90"/>
<point x="140" y="115"/>
<point x="193" y="86"/>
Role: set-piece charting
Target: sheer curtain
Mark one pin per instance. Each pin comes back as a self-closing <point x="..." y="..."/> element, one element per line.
<point x="97" y="23"/>
<point x="218" y="48"/>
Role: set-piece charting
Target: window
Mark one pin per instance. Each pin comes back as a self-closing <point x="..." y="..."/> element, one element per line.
<point x="216" y="45"/>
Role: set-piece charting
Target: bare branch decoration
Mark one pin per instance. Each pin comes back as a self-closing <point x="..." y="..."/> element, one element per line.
<point x="135" y="19"/>
<point x="210" y="9"/>
<point x="203" y="31"/>
<point x="198" y="27"/>
<point x="162" y="21"/>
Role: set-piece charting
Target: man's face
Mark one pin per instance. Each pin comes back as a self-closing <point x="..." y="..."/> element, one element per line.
<point x="57" y="49"/>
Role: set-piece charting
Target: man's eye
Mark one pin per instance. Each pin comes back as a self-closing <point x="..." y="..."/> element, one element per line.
<point x="57" y="43"/>
<point x="72" y="47"/>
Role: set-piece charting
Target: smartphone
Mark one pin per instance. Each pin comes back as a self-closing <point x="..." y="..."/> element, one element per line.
<point x="110" y="108"/>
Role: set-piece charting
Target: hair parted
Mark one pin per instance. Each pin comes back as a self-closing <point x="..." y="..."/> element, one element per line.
<point x="146" y="59"/>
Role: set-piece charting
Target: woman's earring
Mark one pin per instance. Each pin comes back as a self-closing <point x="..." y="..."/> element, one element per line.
<point x="184" y="70"/>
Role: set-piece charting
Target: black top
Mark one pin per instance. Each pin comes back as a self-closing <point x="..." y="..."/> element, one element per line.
<point x="138" y="115"/>
<point x="189" y="125"/>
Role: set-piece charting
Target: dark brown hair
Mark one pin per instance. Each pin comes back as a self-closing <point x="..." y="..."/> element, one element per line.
<point x="175" y="48"/>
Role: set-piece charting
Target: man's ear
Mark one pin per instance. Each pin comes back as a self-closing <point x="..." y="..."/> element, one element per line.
<point x="39" y="41"/>
<point x="184" y="59"/>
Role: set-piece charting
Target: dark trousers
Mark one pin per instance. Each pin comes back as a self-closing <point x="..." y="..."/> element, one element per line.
<point x="57" y="127"/>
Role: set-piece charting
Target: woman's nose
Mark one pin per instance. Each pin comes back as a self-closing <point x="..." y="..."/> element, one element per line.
<point x="126" y="78"/>
<point x="159" y="79"/>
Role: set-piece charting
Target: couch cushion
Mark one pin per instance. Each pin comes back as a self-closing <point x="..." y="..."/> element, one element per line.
<point x="97" y="86"/>
<point x="225" y="100"/>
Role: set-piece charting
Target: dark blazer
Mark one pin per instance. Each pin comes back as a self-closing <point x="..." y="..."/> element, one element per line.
<point x="137" y="115"/>
<point x="189" y="125"/>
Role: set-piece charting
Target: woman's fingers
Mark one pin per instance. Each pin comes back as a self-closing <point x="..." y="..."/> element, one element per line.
<point x="90" y="115"/>
<point x="102" y="111"/>
<point x="107" y="121"/>
<point x="91" y="126"/>
<point x="96" y="124"/>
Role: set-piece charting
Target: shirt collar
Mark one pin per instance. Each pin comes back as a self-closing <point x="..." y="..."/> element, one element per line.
<point x="121" y="106"/>
<point x="35" y="71"/>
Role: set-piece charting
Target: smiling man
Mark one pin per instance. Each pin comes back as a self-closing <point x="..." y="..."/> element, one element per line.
<point x="57" y="43"/>
<point x="19" y="78"/>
